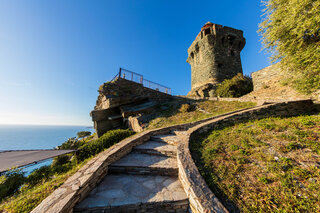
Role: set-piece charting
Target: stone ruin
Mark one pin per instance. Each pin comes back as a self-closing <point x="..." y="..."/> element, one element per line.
<point x="214" y="56"/>
<point x="122" y="101"/>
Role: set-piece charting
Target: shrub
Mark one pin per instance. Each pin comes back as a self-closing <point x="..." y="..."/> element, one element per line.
<point x="186" y="108"/>
<point x="238" y="86"/>
<point x="59" y="169"/>
<point x="60" y="160"/>
<point x="83" y="134"/>
<point x="71" y="143"/>
<point x="43" y="173"/>
<point x="105" y="141"/>
<point x="11" y="182"/>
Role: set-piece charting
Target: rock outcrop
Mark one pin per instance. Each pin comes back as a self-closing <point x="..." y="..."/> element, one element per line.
<point x="120" y="100"/>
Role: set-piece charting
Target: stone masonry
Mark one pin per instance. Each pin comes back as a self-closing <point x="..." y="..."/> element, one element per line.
<point x="269" y="86"/>
<point x="214" y="56"/>
<point x="120" y="99"/>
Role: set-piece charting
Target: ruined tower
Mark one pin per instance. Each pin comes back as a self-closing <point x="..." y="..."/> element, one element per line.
<point x="214" y="56"/>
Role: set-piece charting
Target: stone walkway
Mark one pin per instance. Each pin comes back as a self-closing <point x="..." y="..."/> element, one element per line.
<point x="145" y="180"/>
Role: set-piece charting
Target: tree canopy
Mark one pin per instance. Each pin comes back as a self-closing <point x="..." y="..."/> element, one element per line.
<point x="83" y="134"/>
<point x="291" y="32"/>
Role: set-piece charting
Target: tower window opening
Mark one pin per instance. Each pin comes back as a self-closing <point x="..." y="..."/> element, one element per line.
<point x="219" y="65"/>
<point x="197" y="48"/>
<point x="232" y="53"/>
<point x="207" y="31"/>
<point x="231" y="39"/>
<point x="192" y="55"/>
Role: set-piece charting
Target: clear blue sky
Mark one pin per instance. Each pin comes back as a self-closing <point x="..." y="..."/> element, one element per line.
<point x="55" y="54"/>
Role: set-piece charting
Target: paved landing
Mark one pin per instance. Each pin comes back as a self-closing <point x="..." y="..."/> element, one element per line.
<point x="118" y="190"/>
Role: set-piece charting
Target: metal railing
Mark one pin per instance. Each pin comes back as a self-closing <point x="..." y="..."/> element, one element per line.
<point x="135" y="77"/>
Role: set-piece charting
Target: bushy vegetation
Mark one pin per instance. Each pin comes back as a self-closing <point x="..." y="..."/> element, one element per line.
<point x="83" y="134"/>
<point x="105" y="141"/>
<point x="10" y="183"/>
<point x="238" y="86"/>
<point x="182" y="112"/>
<point x="291" y="32"/>
<point x="268" y="165"/>
<point x="186" y="108"/>
<point x="22" y="194"/>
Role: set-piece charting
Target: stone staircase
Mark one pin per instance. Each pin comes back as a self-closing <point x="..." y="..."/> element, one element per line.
<point x="145" y="180"/>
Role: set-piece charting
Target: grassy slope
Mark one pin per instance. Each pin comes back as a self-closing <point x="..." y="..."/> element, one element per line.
<point x="199" y="110"/>
<point x="269" y="165"/>
<point x="29" y="196"/>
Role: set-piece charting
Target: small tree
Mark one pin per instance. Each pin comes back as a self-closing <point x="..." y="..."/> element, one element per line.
<point x="83" y="134"/>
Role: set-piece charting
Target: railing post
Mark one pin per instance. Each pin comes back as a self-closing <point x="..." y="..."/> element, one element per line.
<point x="120" y="72"/>
<point x="132" y="76"/>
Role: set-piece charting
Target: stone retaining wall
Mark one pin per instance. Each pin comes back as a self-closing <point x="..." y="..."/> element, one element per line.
<point x="78" y="186"/>
<point x="201" y="198"/>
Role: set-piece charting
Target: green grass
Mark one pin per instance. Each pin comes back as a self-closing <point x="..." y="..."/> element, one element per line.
<point x="43" y="181"/>
<point x="269" y="165"/>
<point x="179" y="112"/>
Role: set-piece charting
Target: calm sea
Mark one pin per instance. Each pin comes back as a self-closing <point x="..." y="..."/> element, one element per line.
<point x="22" y="137"/>
<point x="25" y="137"/>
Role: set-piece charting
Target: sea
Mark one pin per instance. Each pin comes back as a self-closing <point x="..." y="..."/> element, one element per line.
<point x="27" y="137"/>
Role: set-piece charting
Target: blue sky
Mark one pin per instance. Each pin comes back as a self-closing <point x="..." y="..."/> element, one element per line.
<point x="55" y="54"/>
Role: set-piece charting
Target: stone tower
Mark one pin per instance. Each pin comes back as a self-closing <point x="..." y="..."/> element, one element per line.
<point x="214" y="56"/>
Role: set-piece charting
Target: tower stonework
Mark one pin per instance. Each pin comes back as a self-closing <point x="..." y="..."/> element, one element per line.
<point x="214" y="56"/>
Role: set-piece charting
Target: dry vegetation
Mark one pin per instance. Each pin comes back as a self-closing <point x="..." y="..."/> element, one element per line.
<point x="178" y="112"/>
<point x="269" y="165"/>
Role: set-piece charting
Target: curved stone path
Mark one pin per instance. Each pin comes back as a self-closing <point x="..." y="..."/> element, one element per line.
<point x="145" y="180"/>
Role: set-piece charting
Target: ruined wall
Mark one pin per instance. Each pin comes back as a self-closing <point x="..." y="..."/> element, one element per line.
<point x="267" y="77"/>
<point x="269" y="86"/>
<point x="215" y="54"/>
<point x="122" y="91"/>
<point x="118" y="100"/>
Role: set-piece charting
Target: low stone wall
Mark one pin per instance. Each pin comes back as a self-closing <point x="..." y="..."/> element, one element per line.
<point x="201" y="198"/>
<point x="248" y="98"/>
<point x="78" y="186"/>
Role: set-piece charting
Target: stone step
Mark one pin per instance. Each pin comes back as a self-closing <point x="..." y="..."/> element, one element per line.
<point x="145" y="164"/>
<point x="135" y="193"/>
<point x="170" y="139"/>
<point x="156" y="148"/>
